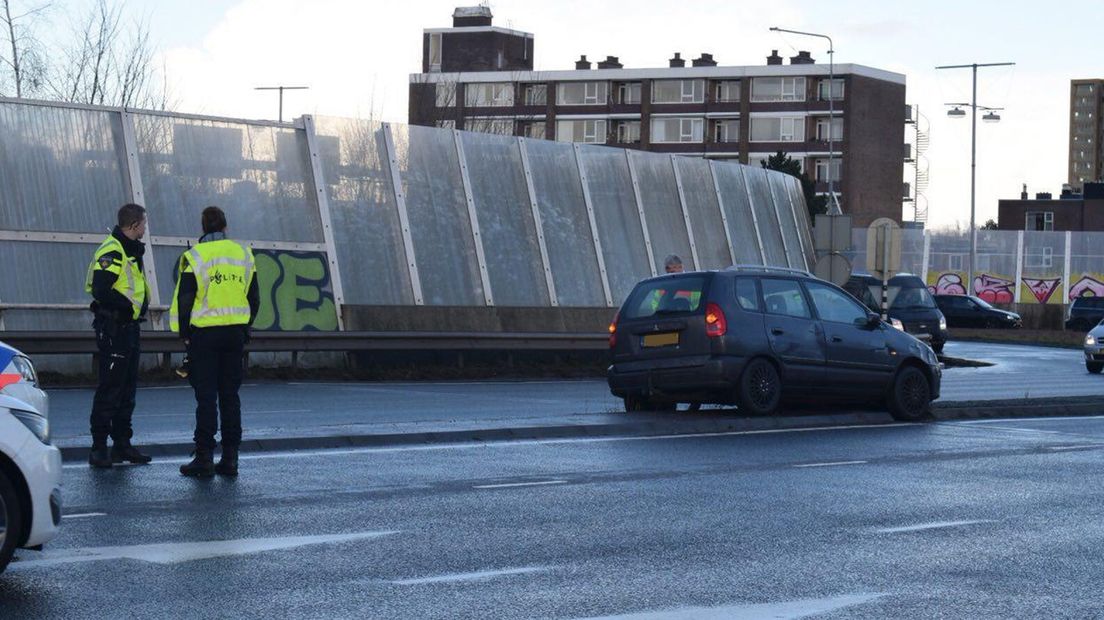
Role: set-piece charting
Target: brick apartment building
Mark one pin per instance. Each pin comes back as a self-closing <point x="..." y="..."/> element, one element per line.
<point x="479" y="77"/>
<point x="1071" y="211"/>
<point x="1086" y="139"/>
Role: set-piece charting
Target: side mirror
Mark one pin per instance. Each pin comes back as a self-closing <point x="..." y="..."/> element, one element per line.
<point x="873" y="320"/>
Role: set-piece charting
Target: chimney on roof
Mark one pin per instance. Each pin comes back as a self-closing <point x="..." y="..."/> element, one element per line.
<point x="774" y="58"/>
<point x="470" y="16"/>
<point x="676" y="61"/>
<point x="1043" y="196"/>
<point x="1023" y="194"/>
<point x="802" y="58"/>
<point x="705" y="60"/>
<point x="610" y="63"/>
<point x="582" y="63"/>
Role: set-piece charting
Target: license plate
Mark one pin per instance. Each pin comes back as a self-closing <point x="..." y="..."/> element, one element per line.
<point x="661" y="340"/>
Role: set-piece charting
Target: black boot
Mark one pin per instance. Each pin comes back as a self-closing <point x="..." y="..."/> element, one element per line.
<point x="202" y="465"/>
<point x="228" y="463"/>
<point x="124" y="452"/>
<point x="99" y="457"/>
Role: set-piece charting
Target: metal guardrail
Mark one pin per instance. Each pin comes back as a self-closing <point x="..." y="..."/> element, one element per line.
<point x="70" y="342"/>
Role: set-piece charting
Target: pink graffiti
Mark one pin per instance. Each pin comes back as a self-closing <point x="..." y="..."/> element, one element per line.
<point x="948" y="284"/>
<point x="1087" y="286"/>
<point x="993" y="289"/>
<point x="1042" y="289"/>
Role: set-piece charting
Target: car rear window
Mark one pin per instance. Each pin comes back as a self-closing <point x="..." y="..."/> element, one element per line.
<point x="668" y="296"/>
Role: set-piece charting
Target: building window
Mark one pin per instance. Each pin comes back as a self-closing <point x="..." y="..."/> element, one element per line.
<point x="677" y="130"/>
<point x="582" y="93"/>
<point x="446" y="94"/>
<point x="837" y="90"/>
<point x="446" y="124"/>
<point x="778" y="89"/>
<point x="628" y="93"/>
<point x="1039" y="220"/>
<point x="726" y="131"/>
<point x="489" y="95"/>
<point x="536" y="94"/>
<point x="822" y="129"/>
<point x="534" y="129"/>
<point x="822" y="175"/>
<point x="435" y="53"/>
<point x="778" y="129"/>
<point x="590" y="131"/>
<point x="678" y="91"/>
<point x="628" y="132"/>
<point x="726" y="91"/>
<point x="497" y="126"/>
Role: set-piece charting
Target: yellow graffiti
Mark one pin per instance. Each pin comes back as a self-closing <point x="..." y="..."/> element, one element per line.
<point x="295" y="292"/>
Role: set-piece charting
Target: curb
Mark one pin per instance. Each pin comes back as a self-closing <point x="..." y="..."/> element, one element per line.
<point x="655" y="425"/>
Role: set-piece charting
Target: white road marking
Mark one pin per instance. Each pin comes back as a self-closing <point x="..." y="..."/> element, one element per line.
<point x="1018" y="430"/>
<point x="476" y="576"/>
<point x="1084" y="447"/>
<point x="928" y="526"/>
<point x="785" y="610"/>
<point x="174" y="553"/>
<point x="831" y="464"/>
<point x="518" y="484"/>
<point x="84" y="515"/>
<point x="1036" y="419"/>
<point x="521" y="443"/>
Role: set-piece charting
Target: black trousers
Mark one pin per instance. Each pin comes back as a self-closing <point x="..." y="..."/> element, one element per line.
<point x="113" y="404"/>
<point x="215" y="372"/>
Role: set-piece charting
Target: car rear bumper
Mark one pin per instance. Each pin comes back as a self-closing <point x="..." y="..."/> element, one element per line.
<point x="716" y="375"/>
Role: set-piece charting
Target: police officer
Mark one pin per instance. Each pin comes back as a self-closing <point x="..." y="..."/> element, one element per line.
<point x="118" y="287"/>
<point x="215" y="302"/>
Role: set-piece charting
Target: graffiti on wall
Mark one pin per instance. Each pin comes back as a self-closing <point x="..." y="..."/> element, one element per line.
<point x="996" y="288"/>
<point x="296" y="293"/>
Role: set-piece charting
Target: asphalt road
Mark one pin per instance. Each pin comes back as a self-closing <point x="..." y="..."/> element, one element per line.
<point x="166" y="414"/>
<point x="989" y="519"/>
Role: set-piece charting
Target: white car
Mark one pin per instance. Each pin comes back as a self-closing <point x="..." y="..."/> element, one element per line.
<point x="30" y="468"/>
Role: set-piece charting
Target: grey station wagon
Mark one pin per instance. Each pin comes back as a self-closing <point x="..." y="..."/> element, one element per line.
<point x="750" y="336"/>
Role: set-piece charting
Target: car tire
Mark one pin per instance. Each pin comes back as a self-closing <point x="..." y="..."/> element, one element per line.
<point x="1094" y="367"/>
<point x="938" y="347"/>
<point x="11" y="521"/>
<point x="637" y="404"/>
<point x="910" y="395"/>
<point x="760" y="388"/>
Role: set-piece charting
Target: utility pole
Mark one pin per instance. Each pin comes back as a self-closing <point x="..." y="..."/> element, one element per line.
<point x="281" y="89"/>
<point x="993" y="117"/>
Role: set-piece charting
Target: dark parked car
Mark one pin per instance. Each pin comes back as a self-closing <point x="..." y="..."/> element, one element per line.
<point x="909" y="302"/>
<point x="970" y="311"/>
<point x="1085" y="313"/>
<point x="751" y="335"/>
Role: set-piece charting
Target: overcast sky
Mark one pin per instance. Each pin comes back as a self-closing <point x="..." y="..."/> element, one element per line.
<point x="356" y="55"/>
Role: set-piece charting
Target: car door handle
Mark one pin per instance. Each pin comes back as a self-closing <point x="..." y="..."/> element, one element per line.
<point x="837" y="339"/>
<point x="777" y="331"/>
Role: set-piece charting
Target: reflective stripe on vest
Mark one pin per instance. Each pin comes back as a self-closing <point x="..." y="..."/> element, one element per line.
<point x="131" y="282"/>
<point x="221" y="293"/>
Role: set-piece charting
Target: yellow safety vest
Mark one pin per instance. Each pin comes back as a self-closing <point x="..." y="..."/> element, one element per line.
<point x="129" y="278"/>
<point x="223" y="270"/>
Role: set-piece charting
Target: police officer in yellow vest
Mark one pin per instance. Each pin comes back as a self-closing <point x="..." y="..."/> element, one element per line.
<point x="215" y="302"/>
<point x="118" y="288"/>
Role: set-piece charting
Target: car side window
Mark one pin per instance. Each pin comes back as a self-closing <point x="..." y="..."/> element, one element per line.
<point x="746" y="294"/>
<point x="835" y="307"/>
<point x="784" y="297"/>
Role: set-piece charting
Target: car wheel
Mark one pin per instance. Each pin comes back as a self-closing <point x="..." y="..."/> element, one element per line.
<point x="636" y="404"/>
<point x="910" y="395"/>
<point x="938" y="347"/>
<point x="1094" y="367"/>
<point x="760" y="388"/>
<point x="11" y="521"/>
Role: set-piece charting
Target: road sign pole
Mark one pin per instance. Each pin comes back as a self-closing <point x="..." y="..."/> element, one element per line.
<point x="886" y="232"/>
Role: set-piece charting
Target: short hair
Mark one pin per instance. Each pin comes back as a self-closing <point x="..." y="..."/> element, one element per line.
<point x="214" y="220"/>
<point x="131" y="214"/>
<point x="672" y="260"/>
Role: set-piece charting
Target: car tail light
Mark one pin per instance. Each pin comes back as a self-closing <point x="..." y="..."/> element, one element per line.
<point x="613" y="331"/>
<point x="715" y="323"/>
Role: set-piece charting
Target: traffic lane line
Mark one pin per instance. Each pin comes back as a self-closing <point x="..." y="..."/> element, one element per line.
<point x="830" y="464"/>
<point x="929" y="526"/>
<point x="510" y="485"/>
<point x="84" y="515"/>
<point x="483" y="575"/>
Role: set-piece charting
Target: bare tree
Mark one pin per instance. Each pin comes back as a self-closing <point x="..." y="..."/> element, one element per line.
<point x="22" y="60"/>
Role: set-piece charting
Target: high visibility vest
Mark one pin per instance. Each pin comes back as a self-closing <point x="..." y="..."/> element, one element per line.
<point x="223" y="270"/>
<point x="129" y="281"/>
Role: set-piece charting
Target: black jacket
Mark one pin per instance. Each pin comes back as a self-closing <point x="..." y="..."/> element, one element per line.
<point x="107" y="300"/>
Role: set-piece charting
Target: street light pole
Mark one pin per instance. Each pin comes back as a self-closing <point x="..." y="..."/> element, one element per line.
<point x="973" y="162"/>
<point x="834" y="207"/>
<point x="281" y="89"/>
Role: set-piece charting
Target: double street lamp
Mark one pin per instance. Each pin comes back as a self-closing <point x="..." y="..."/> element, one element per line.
<point x="990" y="116"/>
<point x="833" y="207"/>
